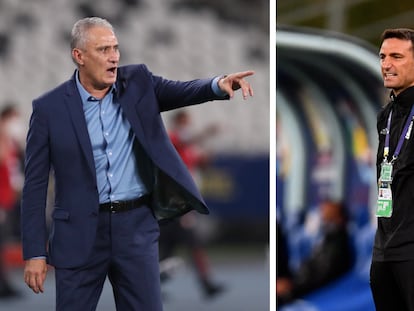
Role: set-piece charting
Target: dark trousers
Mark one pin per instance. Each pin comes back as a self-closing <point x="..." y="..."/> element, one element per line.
<point x="392" y="285"/>
<point x="125" y="250"/>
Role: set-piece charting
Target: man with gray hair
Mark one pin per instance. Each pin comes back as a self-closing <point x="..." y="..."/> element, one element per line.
<point x="116" y="174"/>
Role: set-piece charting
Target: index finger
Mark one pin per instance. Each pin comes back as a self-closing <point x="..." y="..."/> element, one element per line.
<point x="244" y="74"/>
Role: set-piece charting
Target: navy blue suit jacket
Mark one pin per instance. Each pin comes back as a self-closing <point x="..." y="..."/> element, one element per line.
<point x="58" y="140"/>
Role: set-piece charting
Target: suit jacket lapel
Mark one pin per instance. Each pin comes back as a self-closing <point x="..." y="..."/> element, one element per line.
<point x="74" y="105"/>
<point x="129" y="103"/>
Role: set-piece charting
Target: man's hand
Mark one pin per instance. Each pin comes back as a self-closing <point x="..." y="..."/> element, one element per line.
<point x="235" y="81"/>
<point x="35" y="271"/>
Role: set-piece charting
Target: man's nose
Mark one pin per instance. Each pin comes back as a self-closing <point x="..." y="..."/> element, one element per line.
<point x="114" y="56"/>
<point x="385" y="63"/>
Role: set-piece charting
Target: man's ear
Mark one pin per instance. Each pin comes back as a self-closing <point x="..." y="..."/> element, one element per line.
<point x="77" y="56"/>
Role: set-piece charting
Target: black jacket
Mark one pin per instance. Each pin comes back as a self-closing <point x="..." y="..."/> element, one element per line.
<point x="328" y="261"/>
<point x="394" y="239"/>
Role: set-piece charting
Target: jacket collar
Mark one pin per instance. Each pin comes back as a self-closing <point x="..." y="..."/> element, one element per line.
<point x="405" y="98"/>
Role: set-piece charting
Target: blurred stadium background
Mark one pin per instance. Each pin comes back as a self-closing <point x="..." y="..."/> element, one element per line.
<point x="328" y="92"/>
<point x="180" y="40"/>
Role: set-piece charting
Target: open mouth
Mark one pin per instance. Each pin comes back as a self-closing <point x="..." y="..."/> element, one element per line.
<point x="390" y="75"/>
<point x="112" y="70"/>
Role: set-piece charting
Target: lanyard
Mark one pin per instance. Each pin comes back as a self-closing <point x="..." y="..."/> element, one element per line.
<point x="407" y="128"/>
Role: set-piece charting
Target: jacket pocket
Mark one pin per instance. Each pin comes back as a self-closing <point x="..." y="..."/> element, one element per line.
<point x="61" y="214"/>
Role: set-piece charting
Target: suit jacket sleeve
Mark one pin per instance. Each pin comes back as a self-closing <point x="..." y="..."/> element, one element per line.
<point x="37" y="168"/>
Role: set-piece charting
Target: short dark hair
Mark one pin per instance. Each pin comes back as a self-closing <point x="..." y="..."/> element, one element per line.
<point x="398" y="33"/>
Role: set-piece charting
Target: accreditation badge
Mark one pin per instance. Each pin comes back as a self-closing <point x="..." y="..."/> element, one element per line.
<point x="384" y="202"/>
<point x="386" y="172"/>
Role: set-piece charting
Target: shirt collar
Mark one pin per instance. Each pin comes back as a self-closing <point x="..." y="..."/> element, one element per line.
<point x="84" y="94"/>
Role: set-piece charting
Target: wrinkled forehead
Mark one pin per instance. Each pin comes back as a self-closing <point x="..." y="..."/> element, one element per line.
<point x="100" y="36"/>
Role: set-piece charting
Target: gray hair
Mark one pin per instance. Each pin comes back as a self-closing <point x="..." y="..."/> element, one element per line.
<point x="78" y="34"/>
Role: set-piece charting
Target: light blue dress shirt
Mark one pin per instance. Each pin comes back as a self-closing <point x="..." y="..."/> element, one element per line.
<point x="113" y="142"/>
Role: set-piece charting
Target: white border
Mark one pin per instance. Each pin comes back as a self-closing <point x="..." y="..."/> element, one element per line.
<point x="272" y="155"/>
